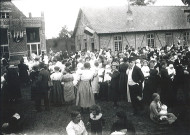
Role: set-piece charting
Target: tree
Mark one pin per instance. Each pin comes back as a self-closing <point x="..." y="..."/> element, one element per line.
<point x="186" y="2"/>
<point x="142" y="2"/>
<point x="64" y="33"/>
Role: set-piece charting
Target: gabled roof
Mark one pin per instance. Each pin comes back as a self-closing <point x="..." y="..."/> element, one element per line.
<point x="144" y="18"/>
<point x="9" y="6"/>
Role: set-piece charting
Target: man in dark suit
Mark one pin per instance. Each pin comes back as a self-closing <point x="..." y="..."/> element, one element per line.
<point x="44" y="77"/>
<point x="179" y="78"/>
<point x="135" y="79"/>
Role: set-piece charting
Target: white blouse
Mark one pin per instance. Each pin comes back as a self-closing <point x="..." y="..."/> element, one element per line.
<point x="146" y="71"/>
<point x="76" y="129"/>
<point x="57" y="76"/>
<point x="86" y="75"/>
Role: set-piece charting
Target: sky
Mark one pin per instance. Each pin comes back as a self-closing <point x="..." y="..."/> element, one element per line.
<point x="59" y="13"/>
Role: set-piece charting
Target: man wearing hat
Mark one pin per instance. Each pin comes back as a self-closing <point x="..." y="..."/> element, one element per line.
<point x="44" y="77"/>
<point x="135" y="79"/>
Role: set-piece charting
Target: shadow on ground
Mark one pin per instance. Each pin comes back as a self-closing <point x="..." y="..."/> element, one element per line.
<point x="55" y="121"/>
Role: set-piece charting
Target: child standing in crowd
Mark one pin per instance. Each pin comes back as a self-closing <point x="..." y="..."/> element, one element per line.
<point x="96" y="120"/>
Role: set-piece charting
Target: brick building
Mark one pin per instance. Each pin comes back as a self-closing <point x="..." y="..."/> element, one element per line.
<point x="20" y="35"/>
<point x="138" y="26"/>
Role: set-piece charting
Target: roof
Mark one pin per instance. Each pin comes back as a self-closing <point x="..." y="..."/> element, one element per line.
<point x="9" y="6"/>
<point x="143" y="18"/>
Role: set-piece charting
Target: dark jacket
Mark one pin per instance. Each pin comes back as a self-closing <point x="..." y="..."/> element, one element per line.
<point x="44" y="76"/>
<point x="137" y="75"/>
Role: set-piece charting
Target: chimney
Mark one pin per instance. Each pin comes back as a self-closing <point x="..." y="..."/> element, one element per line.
<point x="30" y="15"/>
<point x="42" y="14"/>
<point x="129" y="12"/>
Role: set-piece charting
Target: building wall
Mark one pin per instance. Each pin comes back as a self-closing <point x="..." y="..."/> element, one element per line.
<point x="139" y="39"/>
<point x="135" y="39"/>
<point x="15" y="48"/>
<point x="80" y="35"/>
<point x="18" y="22"/>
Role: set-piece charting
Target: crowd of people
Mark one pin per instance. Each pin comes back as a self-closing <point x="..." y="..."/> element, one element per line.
<point x="142" y="77"/>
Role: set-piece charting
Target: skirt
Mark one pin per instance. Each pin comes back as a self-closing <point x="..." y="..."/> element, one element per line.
<point x="85" y="96"/>
<point x="56" y="94"/>
<point x="69" y="94"/>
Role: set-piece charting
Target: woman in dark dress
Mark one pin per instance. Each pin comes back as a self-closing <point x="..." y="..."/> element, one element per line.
<point x="114" y="84"/>
<point x="23" y="72"/>
<point x="152" y="84"/>
<point x="122" y="124"/>
<point x="13" y="85"/>
<point x="166" y="85"/>
<point x="123" y="79"/>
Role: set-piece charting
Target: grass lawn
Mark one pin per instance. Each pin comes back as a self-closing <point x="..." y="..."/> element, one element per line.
<point x="55" y="121"/>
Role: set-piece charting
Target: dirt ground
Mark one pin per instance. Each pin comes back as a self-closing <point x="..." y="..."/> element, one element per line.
<point x="55" y="121"/>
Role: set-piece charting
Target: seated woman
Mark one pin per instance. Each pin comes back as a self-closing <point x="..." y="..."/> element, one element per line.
<point x="156" y="112"/>
<point x="76" y="125"/>
<point x="122" y="126"/>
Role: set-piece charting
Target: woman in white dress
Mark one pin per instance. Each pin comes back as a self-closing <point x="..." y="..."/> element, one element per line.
<point x="85" y="96"/>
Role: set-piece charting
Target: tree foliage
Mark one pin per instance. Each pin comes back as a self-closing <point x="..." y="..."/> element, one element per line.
<point x="186" y="2"/>
<point x="65" y="33"/>
<point x="142" y="2"/>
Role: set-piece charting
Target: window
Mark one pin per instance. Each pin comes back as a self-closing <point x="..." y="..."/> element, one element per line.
<point x="186" y="38"/>
<point x="79" y="44"/>
<point x="92" y="44"/>
<point x="188" y="18"/>
<point x="92" y="40"/>
<point x="150" y="40"/>
<point x="32" y="35"/>
<point x="3" y="36"/>
<point x="34" y="48"/>
<point x="169" y="39"/>
<point x="118" y="43"/>
<point x="4" y="51"/>
<point x="4" y="15"/>
<point x="85" y="44"/>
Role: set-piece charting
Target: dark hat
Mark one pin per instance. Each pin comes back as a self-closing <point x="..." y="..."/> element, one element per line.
<point x="86" y="65"/>
<point x="35" y="67"/>
<point x="67" y="64"/>
<point x="42" y="65"/>
<point x="125" y="59"/>
<point x="56" y="68"/>
<point x="132" y="59"/>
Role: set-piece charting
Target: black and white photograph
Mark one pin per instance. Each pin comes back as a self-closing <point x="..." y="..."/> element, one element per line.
<point x="95" y="67"/>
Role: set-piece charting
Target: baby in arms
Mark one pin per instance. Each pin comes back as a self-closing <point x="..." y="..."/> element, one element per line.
<point x="164" y="112"/>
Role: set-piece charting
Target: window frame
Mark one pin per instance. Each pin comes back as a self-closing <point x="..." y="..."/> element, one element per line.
<point x="33" y="34"/>
<point x="4" y="15"/>
<point x="169" y="35"/>
<point x="151" y="39"/>
<point x="188" y="18"/>
<point x="85" y="44"/>
<point x="3" y="46"/>
<point x="118" y="42"/>
<point x="186" y="37"/>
